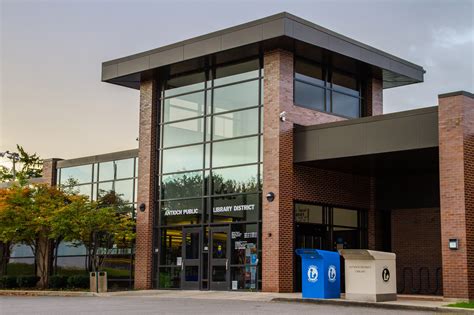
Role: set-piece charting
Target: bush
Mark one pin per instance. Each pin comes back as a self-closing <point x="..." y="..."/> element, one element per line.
<point x="26" y="281"/>
<point x="8" y="282"/>
<point x="57" y="281"/>
<point x="78" y="281"/>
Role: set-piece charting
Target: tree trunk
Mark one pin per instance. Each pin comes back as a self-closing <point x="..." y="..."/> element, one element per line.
<point x="43" y="251"/>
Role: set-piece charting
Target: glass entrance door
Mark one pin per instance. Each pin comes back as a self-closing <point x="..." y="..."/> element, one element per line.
<point x="219" y="258"/>
<point x="191" y="262"/>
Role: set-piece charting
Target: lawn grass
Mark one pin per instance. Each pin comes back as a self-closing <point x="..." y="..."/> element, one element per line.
<point x="469" y="304"/>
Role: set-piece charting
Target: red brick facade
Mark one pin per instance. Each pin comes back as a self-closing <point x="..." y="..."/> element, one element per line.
<point x="456" y="148"/>
<point x="147" y="163"/>
<point x="416" y="240"/>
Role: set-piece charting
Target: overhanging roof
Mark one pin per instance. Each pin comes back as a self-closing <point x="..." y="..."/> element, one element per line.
<point x="395" y="71"/>
<point x="403" y="131"/>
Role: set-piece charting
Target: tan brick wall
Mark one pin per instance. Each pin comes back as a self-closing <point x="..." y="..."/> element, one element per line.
<point x="456" y="130"/>
<point x="147" y="164"/>
<point x="416" y="240"/>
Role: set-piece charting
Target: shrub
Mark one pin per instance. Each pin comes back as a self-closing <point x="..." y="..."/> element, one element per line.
<point x="57" y="281"/>
<point x="8" y="282"/>
<point x="78" y="281"/>
<point x="26" y="281"/>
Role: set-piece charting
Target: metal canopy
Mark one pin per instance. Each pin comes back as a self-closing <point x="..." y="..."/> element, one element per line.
<point x="404" y="131"/>
<point x="395" y="71"/>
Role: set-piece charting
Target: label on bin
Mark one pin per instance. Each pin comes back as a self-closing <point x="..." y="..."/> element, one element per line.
<point x="332" y="273"/>
<point x="312" y="273"/>
<point x="385" y="274"/>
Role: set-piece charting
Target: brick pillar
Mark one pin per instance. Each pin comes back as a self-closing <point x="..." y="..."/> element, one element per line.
<point x="147" y="164"/>
<point x="50" y="171"/>
<point x="277" y="229"/>
<point x="374" y="99"/>
<point x="456" y="167"/>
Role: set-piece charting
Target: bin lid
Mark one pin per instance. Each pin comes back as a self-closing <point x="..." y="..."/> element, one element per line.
<point x="365" y="254"/>
<point x="315" y="253"/>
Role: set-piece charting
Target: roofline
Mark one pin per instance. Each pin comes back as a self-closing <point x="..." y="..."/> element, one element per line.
<point x="120" y="155"/>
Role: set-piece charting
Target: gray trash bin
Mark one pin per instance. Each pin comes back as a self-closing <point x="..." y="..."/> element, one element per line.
<point x="93" y="281"/>
<point x="102" y="282"/>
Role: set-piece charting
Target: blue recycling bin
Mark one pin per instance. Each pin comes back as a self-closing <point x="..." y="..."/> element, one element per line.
<point x="320" y="270"/>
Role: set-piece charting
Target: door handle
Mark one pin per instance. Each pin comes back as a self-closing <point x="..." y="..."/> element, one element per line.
<point x="227" y="264"/>
<point x="182" y="265"/>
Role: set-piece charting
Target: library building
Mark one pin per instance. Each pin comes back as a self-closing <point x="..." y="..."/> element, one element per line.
<point x="267" y="137"/>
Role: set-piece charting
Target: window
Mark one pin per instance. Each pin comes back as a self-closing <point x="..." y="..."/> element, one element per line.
<point x="236" y="124"/>
<point x="236" y="96"/>
<point x="182" y="159"/>
<point x="320" y="88"/>
<point x="182" y="133"/>
<point x="234" y="152"/>
<point x="183" y="107"/>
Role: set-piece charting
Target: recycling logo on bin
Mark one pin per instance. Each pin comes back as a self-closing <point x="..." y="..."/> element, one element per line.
<point x="312" y="273"/>
<point x="332" y="273"/>
<point x="385" y="274"/>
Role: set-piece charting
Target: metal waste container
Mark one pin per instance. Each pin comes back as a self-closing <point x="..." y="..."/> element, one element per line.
<point x="370" y="275"/>
<point x="320" y="271"/>
<point x="93" y="281"/>
<point x="102" y="282"/>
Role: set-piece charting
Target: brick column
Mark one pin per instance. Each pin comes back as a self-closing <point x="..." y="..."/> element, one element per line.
<point x="277" y="229"/>
<point x="374" y="99"/>
<point x="147" y="164"/>
<point x="50" y="171"/>
<point x="456" y="167"/>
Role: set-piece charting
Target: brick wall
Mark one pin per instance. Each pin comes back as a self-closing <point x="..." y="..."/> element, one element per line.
<point x="291" y="182"/>
<point x="374" y="98"/>
<point x="50" y="171"/>
<point x="416" y="239"/>
<point x="147" y="164"/>
<point x="456" y="132"/>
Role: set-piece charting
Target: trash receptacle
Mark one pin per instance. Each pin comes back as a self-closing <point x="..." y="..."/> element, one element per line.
<point x="370" y="275"/>
<point x="102" y="282"/>
<point x="93" y="281"/>
<point x="320" y="271"/>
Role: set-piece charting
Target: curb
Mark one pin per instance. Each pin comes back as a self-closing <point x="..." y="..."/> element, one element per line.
<point x="377" y="305"/>
<point x="45" y="293"/>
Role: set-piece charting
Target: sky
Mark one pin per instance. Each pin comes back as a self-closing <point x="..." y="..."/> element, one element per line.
<point x="53" y="102"/>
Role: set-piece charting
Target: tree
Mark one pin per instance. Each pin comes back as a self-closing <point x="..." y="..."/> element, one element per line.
<point x="31" y="166"/>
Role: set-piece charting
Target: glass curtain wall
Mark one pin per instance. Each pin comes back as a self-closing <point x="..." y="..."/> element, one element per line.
<point x="322" y="88"/>
<point x="210" y="178"/>
<point x="117" y="179"/>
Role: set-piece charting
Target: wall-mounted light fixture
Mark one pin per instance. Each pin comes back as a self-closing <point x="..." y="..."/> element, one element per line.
<point x="270" y="197"/>
<point x="283" y="116"/>
<point x="453" y="243"/>
<point x="142" y="207"/>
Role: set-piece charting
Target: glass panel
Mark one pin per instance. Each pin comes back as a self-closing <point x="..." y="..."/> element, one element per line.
<point x="236" y="208"/>
<point x="72" y="265"/>
<point x="85" y="190"/>
<point x="246" y="277"/>
<point x="181" y="185"/>
<point x="236" y="124"/>
<point x="219" y="245"/>
<point x="70" y="249"/>
<point x="106" y="171"/>
<point x="182" y="159"/>
<point x="117" y="266"/>
<point x="181" y="212"/>
<point x="309" y="96"/>
<point x="192" y="245"/>
<point x="105" y="189"/>
<point x="136" y="167"/>
<point x="170" y="278"/>
<point x="345" y="217"/>
<point x="346" y="238"/>
<point x="183" y="107"/>
<point x="191" y="273"/>
<point x="309" y="72"/>
<point x="124" y="168"/>
<point x="244" y="244"/>
<point x="185" y="83"/>
<point x="171" y="241"/>
<point x="185" y="132"/>
<point x="345" y="105"/>
<point x="235" y="179"/>
<point x="308" y="213"/>
<point x="236" y="96"/>
<point x="344" y="83"/>
<point x="232" y="152"/>
<point x="219" y="274"/>
<point x="124" y="190"/>
<point x="236" y="72"/>
<point x="80" y="174"/>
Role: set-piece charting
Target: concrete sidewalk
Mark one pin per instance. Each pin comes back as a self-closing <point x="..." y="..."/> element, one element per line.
<point x="404" y="302"/>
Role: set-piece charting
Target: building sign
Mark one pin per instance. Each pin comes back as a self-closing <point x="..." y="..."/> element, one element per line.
<point x="235" y="208"/>
<point x="181" y="212"/>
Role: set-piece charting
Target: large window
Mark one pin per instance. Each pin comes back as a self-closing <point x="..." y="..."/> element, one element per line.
<point x="210" y="166"/>
<point x="325" y="89"/>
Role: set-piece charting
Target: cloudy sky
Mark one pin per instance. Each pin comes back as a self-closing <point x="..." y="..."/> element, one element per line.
<point x="53" y="103"/>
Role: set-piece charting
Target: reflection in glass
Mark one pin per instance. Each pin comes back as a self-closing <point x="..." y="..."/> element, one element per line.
<point x="124" y="168"/>
<point x="234" y="152"/>
<point x="71" y="265"/>
<point x="305" y="213"/>
<point x="219" y="274"/>
<point x="219" y="245"/>
<point x="170" y="278"/>
<point x="236" y="96"/>
<point x="235" y="180"/>
<point x="181" y="185"/>
<point x="192" y="245"/>
<point x="124" y="190"/>
<point x="70" y="249"/>
<point x="21" y="267"/>
<point x="80" y="174"/>
<point x="191" y="273"/>
<point x="345" y="105"/>
<point x="171" y="241"/>
<point x="235" y="208"/>
<point x="180" y="212"/>
<point x="182" y="159"/>
<point x="185" y="84"/>
<point x="185" y="132"/>
<point x="236" y="124"/>
<point x="21" y="250"/>
<point x="106" y="171"/>
<point x="183" y="107"/>
<point x="345" y="83"/>
<point x="236" y="72"/>
<point x="308" y="95"/>
<point x="345" y="217"/>
<point x="309" y="72"/>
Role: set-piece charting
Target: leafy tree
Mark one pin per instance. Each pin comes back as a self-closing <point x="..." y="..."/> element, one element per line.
<point x="31" y="166"/>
